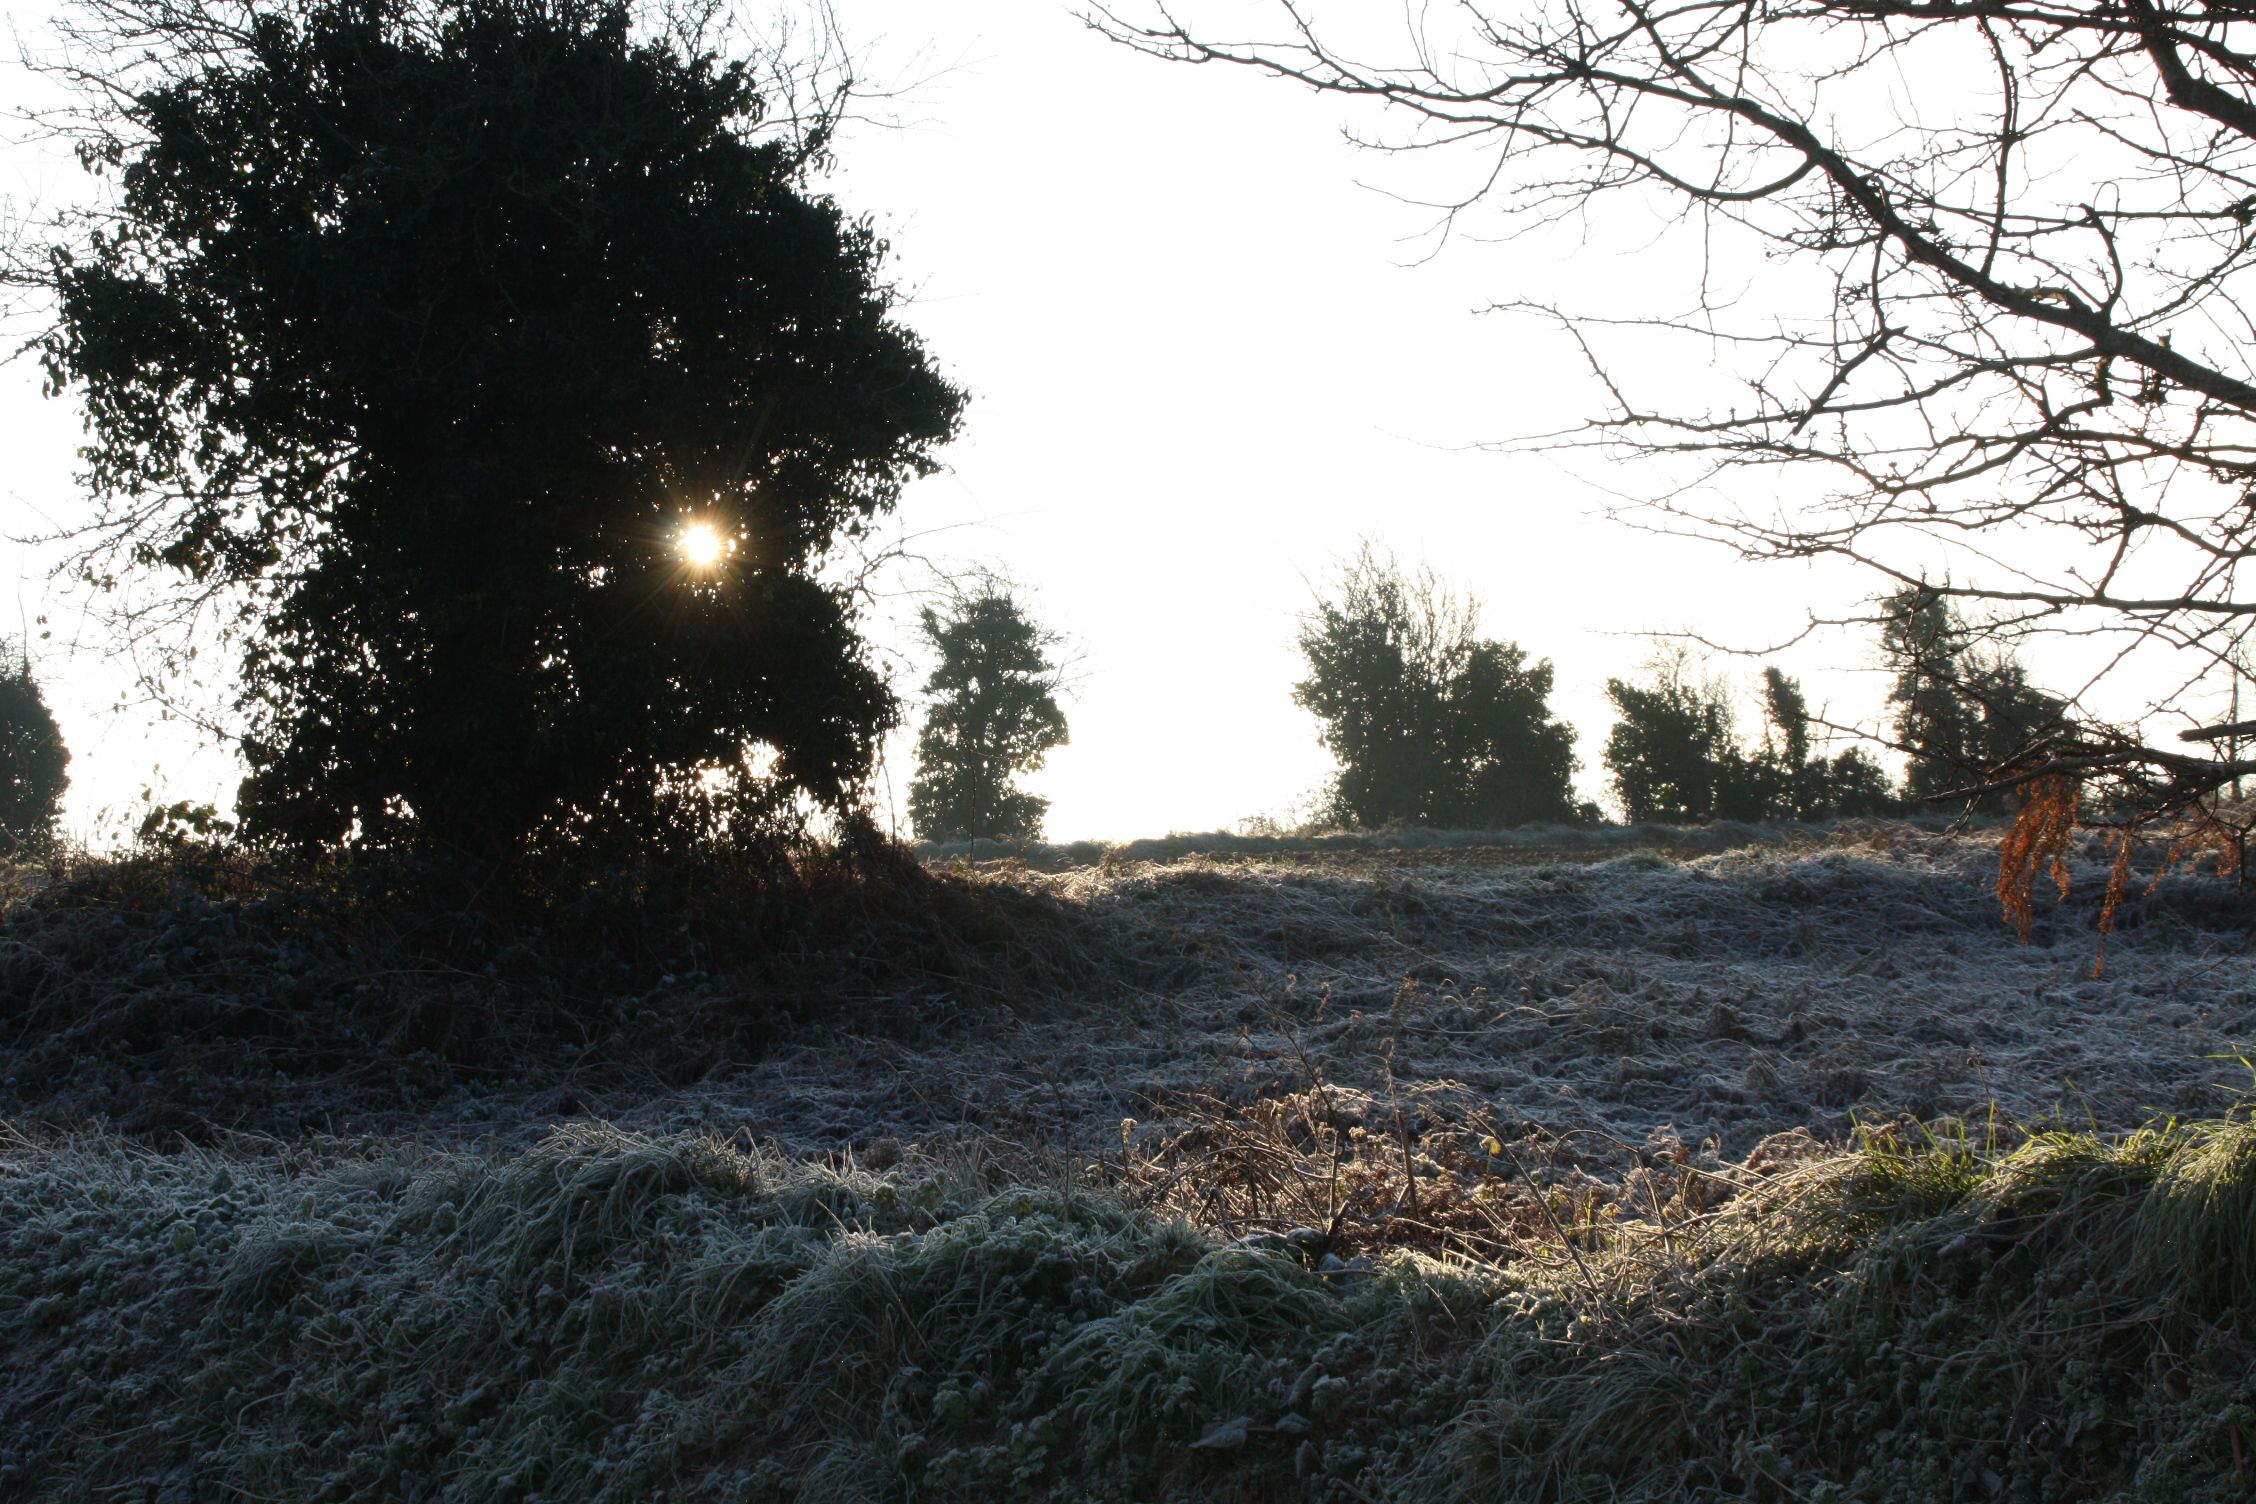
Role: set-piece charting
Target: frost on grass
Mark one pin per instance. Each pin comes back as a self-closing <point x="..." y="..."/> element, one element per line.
<point x="1729" y="995"/>
<point x="1686" y="986"/>
<point x="1203" y="1205"/>
<point x="611" y="1316"/>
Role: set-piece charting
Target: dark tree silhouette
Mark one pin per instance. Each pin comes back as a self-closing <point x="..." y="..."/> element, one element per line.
<point x="2001" y="342"/>
<point x="1431" y="723"/>
<point x="1676" y="755"/>
<point x="993" y="715"/>
<point x="1796" y="783"/>
<point x="33" y="760"/>
<point x="1964" y="711"/>
<point x="1674" y="752"/>
<point x="496" y="359"/>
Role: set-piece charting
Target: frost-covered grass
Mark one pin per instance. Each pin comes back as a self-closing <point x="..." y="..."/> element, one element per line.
<point x="1160" y="1176"/>
<point x="610" y="1316"/>
<point x="1553" y="840"/>
<point x="1809" y="980"/>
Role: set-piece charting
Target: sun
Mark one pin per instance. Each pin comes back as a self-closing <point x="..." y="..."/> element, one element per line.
<point x="702" y="545"/>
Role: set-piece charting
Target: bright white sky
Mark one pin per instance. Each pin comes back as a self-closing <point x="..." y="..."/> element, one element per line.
<point x="1202" y="367"/>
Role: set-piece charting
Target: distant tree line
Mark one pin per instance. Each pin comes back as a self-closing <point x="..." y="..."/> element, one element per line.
<point x="502" y="364"/>
<point x="1433" y="724"/>
<point x="1676" y="755"/>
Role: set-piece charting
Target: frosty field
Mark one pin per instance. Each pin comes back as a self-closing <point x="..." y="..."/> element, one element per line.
<point x="1646" y="1165"/>
<point x="1726" y="996"/>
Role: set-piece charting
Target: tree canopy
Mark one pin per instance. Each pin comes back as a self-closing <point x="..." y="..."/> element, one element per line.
<point x="992" y="714"/>
<point x="1676" y="755"/>
<point x="496" y="360"/>
<point x="1431" y="723"/>
<point x="1673" y="753"/>
<point x="1963" y="711"/>
<point x="34" y="762"/>
<point x="1998" y="349"/>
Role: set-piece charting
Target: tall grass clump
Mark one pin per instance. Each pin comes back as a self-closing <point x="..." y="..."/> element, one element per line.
<point x="182" y="988"/>
<point x="1911" y="1321"/>
<point x="612" y="1316"/>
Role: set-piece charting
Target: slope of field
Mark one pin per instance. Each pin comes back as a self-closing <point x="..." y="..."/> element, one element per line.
<point x="1716" y="994"/>
<point x="1424" y="1168"/>
<point x="1723" y="996"/>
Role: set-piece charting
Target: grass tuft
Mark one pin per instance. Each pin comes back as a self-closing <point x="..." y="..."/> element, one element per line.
<point x="612" y="1316"/>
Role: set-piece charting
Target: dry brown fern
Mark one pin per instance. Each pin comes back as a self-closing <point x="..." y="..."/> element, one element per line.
<point x="2042" y="835"/>
<point x="2037" y="841"/>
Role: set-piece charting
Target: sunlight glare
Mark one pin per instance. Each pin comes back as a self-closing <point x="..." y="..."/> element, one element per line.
<point x="701" y="545"/>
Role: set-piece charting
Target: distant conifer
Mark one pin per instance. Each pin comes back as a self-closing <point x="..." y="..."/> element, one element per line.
<point x="993" y="714"/>
<point x="33" y="760"/>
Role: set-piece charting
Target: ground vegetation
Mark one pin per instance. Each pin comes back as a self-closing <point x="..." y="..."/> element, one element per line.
<point x="1725" y="983"/>
<point x="1569" y="1164"/>
<point x="359" y="1322"/>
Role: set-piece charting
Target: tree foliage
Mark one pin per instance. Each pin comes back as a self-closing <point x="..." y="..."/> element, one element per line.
<point x="2000" y="338"/>
<point x="34" y="762"/>
<point x="1675" y="754"/>
<point x="1431" y="723"/>
<point x="423" y="331"/>
<point x="1796" y="782"/>
<point x="1964" y="712"/>
<point x="993" y="714"/>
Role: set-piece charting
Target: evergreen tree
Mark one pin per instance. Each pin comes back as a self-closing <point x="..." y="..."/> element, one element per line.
<point x="1431" y="723"/>
<point x="1961" y="711"/>
<point x="1797" y="784"/>
<point x="993" y="714"/>
<point x="1676" y="755"/>
<point x="500" y="357"/>
<point x="33" y="761"/>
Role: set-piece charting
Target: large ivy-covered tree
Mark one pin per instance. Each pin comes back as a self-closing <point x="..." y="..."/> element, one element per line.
<point x="1431" y="723"/>
<point x="498" y="359"/>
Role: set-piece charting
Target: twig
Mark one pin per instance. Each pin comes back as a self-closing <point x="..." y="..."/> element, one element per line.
<point x="1544" y="1202"/>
